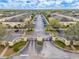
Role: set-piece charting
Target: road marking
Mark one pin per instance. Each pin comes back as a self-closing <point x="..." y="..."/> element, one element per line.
<point x="24" y="55"/>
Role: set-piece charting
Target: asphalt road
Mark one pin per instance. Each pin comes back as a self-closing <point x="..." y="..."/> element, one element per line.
<point x="11" y="37"/>
<point x="50" y="51"/>
<point x="40" y="23"/>
<point x="29" y="50"/>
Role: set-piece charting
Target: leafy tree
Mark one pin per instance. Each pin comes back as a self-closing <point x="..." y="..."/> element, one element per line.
<point x="72" y="33"/>
<point x="2" y="30"/>
<point x="54" y="22"/>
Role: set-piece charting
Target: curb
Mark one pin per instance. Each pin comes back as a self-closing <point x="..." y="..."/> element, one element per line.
<point x="45" y="19"/>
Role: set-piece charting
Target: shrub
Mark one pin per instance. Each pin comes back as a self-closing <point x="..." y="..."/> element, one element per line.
<point x="39" y="42"/>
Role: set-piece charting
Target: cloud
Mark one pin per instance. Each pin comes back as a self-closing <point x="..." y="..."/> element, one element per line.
<point x="3" y="1"/>
<point x="39" y="4"/>
<point x="68" y="1"/>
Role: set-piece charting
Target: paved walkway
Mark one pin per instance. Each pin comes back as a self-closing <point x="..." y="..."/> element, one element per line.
<point x="2" y="54"/>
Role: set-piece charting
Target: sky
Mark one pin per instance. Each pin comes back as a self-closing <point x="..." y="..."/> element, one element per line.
<point x="39" y="4"/>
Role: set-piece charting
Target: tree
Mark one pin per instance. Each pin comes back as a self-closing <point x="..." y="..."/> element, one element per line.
<point x="54" y="23"/>
<point x="19" y="26"/>
<point x="2" y="31"/>
<point x="8" y="26"/>
<point x="15" y="27"/>
<point x="48" y="28"/>
<point x="72" y="33"/>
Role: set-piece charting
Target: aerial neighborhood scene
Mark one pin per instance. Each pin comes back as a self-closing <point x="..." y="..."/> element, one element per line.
<point x="39" y="29"/>
<point x="39" y="34"/>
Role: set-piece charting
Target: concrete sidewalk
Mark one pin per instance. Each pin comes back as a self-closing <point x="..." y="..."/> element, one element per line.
<point x="3" y="52"/>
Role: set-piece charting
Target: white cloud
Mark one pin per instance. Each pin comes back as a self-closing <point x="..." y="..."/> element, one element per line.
<point x="76" y="5"/>
<point x="54" y="4"/>
<point x="68" y="1"/>
<point x="58" y="2"/>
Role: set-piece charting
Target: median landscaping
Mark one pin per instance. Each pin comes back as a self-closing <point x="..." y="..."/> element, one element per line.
<point x="39" y="44"/>
<point x="15" y="47"/>
<point x="39" y="41"/>
<point x="64" y="46"/>
<point x="60" y="43"/>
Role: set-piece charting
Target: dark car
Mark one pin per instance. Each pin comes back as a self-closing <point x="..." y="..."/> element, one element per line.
<point x="16" y="30"/>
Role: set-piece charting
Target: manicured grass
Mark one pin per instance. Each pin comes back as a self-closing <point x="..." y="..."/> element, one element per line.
<point x="60" y="43"/>
<point x="17" y="46"/>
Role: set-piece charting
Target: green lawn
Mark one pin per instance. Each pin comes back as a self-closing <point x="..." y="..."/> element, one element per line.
<point x="17" y="46"/>
<point x="60" y="43"/>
